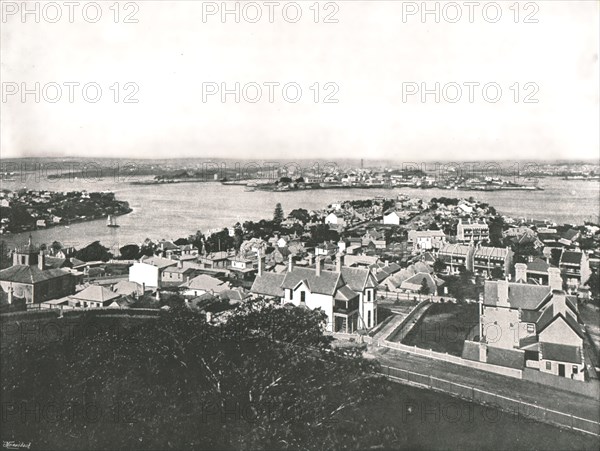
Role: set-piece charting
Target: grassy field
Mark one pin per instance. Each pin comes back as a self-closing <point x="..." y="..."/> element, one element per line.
<point x="437" y="421"/>
<point x="444" y="327"/>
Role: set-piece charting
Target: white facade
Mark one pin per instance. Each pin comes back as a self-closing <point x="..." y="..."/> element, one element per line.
<point x="391" y="218"/>
<point x="145" y="274"/>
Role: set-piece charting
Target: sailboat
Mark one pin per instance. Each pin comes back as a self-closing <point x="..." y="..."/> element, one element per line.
<point x="111" y="221"/>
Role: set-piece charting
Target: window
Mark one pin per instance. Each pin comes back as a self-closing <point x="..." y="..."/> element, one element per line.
<point x="369" y="319"/>
<point x="548" y="365"/>
<point x="575" y="369"/>
<point x="530" y="328"/>
<point x="303" y="296"/>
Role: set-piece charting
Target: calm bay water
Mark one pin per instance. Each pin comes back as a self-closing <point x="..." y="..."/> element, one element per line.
<point x="177" y="210"/>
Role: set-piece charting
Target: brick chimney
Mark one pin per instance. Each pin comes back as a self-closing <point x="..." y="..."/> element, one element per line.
<point x="520" y="272"/>
<point x="554" y="279"/>
<point x="503" y="293"/>
<point x="10" y="294"/>
<point x="339" y="262"/>
<point x="260" y="264"/>
<point x="41" y="260"/>
<point x="559" y="299"/>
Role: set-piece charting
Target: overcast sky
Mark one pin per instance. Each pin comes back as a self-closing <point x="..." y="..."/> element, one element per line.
<point x="371" y="57"/>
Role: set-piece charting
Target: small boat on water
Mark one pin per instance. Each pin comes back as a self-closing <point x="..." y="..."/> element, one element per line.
<point x="111" y="221"/>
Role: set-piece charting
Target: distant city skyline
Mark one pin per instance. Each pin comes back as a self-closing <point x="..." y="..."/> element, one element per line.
<point x="367" y="55"/>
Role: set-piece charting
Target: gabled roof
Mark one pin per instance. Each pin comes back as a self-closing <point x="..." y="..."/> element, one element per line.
<point x="571" y="257"/>
<point x="561" y="353"/>
<point x="357" y="278"/>
<point x="520" y="295"/>
<point x="268" y="284"/>
<point x="570" y="234"/>
<point x="544" y="322"/>
<point x="345" y="293"/>
<point x="95" y="293"/>
<point x="30" y="274"/>
<point x="326" y="283"/>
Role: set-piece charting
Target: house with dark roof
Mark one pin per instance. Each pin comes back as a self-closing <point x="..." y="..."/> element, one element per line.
<point x="540" y="323"/>
<point x="348" y="296"/>
<point x="575" y="269"/>
<point x="535" y="270"/>
<point x="93" y="296"/>
<point x="32" y="280"/>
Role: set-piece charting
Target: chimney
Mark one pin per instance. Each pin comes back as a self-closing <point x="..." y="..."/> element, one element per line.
<point x="559" y="299"/>
<point x="10" y="294"/>
<point x="15" y="256"/>
<point x="520" y="272"/>
<point x="503" y="293"/>
<point x="179" y="264"/>
<point x="387" y="263"/>
<point x="318" y="266"/>
<point x="339" y="262"/>
<point x="260" y="264"/>
<point x="41" y="260"/>
<point x="290" y="263"/>
<point x="554" y="279"/>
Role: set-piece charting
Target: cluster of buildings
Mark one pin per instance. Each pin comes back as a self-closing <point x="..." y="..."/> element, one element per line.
<point x="24" y="210"/>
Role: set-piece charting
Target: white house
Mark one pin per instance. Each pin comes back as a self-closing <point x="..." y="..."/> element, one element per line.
<point x="346" y="295"/>
<point x="391" y="218"/>
<point x="149" y="272"/>
<point x="426" y="239"/>
<point x="333" y="219"/>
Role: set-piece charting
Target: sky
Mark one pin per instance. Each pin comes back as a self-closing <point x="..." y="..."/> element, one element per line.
<point x="154" y="74"/>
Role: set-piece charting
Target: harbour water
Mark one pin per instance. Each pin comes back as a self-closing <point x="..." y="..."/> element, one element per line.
<point x="171" y="211"/>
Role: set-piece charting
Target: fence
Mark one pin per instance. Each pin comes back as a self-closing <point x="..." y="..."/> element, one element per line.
<point x="505" y="371"/>
<point x="399" y="296"/>
<point x="476" y="395"/>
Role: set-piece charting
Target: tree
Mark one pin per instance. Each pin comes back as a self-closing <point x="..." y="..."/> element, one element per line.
<point x="300" y="214"/>
<point x="4" y="255"/>
<point x="438" y="265"/>
<point x="278" y="216"/>
<point x="424" y="287"/>
<point x="181" y="374"/>
<point x="497" y="273"/>
<point x="93" y="252"/>
<point x="55" y="246"/>
<point x="130" y="252"/>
